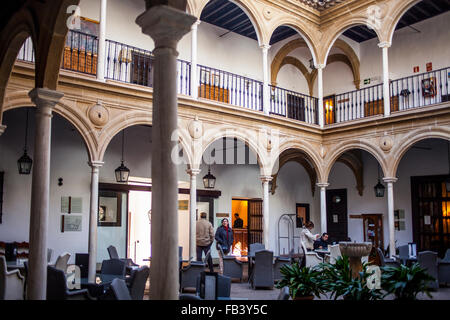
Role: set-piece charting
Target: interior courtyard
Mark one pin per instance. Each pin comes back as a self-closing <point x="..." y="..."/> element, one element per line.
<point x="121" y="122"/>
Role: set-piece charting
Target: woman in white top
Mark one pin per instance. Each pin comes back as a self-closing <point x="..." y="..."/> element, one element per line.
<point x="307" y="237"/>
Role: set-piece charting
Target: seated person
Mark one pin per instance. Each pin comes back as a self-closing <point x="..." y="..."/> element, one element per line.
<point x="322" y="242"/>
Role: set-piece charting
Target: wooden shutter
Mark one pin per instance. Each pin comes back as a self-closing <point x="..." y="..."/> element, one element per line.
<point x="255" y="216"/>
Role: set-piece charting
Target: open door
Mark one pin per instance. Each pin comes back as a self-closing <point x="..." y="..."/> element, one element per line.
<point x="255" y="221"/>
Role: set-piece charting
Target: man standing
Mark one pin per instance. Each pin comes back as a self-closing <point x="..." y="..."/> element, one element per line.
<point x="205" y="238"/>
<point x="238" y="222"/>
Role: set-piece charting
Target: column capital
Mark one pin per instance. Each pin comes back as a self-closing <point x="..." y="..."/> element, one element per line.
<point x="193" y="172"/>
<point x="384" y="44"/>
<point x="95" y="164"/>
<point x="2" y="129"/>
<point x="266" y="178"/>
<point x="195" y="24"/>
<point x="322" y="184"/>
<point x="265" y="47"/>
<point x="45" y="97"/>
<point x="319" y="66"/>
<point x="390" y="179"/>
<point x="166" y="25"/>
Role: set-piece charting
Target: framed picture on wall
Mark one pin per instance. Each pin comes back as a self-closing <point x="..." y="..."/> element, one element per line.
<point x="109" y="209"/>
<point x="429" y="87"/>
<point x="302" y="214"/>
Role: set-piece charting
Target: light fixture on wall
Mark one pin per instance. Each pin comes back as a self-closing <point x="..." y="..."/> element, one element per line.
<point x="25" y="163"/>
<point x="122" y="172"/>
<point x="209" y="181"/>
<point x="379" y="188"/>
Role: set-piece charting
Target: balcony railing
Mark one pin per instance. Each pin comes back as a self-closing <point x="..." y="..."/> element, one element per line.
<point x="134" y="65"/>
<point x="293" y="105"/>
<point x="222" y="86"/>
<point x="355" y="104"/>
<point x="422" y="89"/>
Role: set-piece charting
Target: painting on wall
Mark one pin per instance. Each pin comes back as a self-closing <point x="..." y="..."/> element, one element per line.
<point x="429" y="87"/>
<point x="71" y="223"/>
<point x="109" y="209"/>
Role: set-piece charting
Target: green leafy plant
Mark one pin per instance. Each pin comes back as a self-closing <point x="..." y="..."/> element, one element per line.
<point x="302" y="282"/>
<point x="339" y="281"/>
<point x="405" y="282"/>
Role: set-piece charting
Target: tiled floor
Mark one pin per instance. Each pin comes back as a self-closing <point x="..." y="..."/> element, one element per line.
<point x="243" y="290"/>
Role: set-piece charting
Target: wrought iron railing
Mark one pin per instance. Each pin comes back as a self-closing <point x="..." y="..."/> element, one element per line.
<point x="421" y="90"/>
<point x="80" y="52"/>
<point x="355" y="104"/>
<point x="293" y="105"/>
<point x="222" y="86"/>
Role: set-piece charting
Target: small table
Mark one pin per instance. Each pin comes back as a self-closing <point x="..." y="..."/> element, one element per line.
<point x="322" y="252"/>
<point x="15" y="264"/>
<point x="103" y="281"/>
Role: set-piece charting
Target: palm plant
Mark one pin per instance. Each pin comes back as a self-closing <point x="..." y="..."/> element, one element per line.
<point x="405" y="282"/>
<point x="302" y="282"/>
<point x="339" y="281"/>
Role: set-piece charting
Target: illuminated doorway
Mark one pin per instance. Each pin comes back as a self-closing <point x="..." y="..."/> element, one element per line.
<point x="240" y="234"/>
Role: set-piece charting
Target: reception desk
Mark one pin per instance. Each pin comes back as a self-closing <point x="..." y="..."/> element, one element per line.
<point x="241" y="235"/>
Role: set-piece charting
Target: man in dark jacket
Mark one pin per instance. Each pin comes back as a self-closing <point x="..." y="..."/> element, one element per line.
<point x="322" y="242"/>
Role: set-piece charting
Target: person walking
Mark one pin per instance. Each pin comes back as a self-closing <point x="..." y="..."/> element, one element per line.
<point x="224" y="239"/>
<point x="204" y="239"/>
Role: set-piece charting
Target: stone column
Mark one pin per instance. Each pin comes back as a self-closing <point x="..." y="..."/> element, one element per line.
<point x="45" y="101"/>
<point x="102" y="43"/>
<point x="95" y="166"/>
<point x="390" y="196"/>
<point x="319" y="68"/>
<point x="194" y="45"/>
<point x="266" y="214"/>
<point x="266" y="88"/>
<point x="193" y="213"/>
<point x="323" y="206"/>
<point x="166" y="26"/>
<point x="386" y="92"/>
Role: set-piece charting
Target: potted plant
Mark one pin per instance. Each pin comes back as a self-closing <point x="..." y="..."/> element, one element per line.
<point x="339" y="281"/>
<point x="405" y="282"/>
<point x="303" y="283"/>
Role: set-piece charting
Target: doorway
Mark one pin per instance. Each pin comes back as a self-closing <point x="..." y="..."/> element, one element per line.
<point x="240" y="231"/>
<point x="139" y="233"/>
<point x="337" y="215"/>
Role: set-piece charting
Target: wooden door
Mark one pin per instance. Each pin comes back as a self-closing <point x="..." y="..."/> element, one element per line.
<point x="337" y="215"/>
<point x="255" y="221"/>
<point x="373" y="229"/>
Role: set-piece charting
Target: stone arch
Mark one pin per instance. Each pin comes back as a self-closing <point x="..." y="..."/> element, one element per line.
<point x="134" y="118"/>
<point x="303" y="29"/>
<point x="247" y="6"/>
<point x="336" y="30"/>
<point x="395" y="14"/>
<point x="341" y="148"/>
<point x="65" y="109"/>
<point x="244" y="135"/>
<point x="281" y="58"/>
<point x="411" y="139"/>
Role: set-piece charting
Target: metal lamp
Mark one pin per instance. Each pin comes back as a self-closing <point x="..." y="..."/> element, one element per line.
<point x="25" y="163"/>
<point x="122" y="172"/>
<point x="209" y="181"/>
<point x="379" y="188"/>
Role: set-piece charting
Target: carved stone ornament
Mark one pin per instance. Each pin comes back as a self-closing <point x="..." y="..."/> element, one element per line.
<point x="195" y="128"/>
<point x="98" y="115"/>
<point x="386" y="143"/>
<point x="323" y="151"/>
<point x="268" y="12"/>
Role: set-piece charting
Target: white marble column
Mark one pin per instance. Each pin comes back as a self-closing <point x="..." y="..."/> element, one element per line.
<point x="323" y="206"/>
<point x="321" y="115"/>
<point x="166" y="26"/>
<point x="45" y="101"/>
<point x="93" y="212"/>
<point x="386" y="92"/>
<point x="266" y="213"/>
<point x="193" y="213"/>
<point x="102" y="42"/>
<point x="390" y="197"/>
<point x="266" y="75"/>
<point x="194" y="46"/>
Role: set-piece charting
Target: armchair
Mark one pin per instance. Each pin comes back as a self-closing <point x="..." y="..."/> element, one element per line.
<point x="190" y="273"/>
<point x="11" y="282"/>
<point x="444" y="268"/>
<point x="57" y="287"/>
<point x="312" y="259"/>
<point x="428" y="261"/>
<point x="279" y="262"/>
<point x="138" y="282"/>
<point x="335" y="253"/>
<point x="262" y="272"/>
<point x="61" y="261"/>
<point x="118" y="290"/>
<point x="231" y="266"/>
<point x="130" y="265"/>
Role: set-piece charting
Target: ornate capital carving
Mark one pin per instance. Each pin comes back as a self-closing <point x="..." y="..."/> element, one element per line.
<point x="266" y="179"/>
<point x="193" y="172"/>
<point x="95" y="164"/>
<point x="42" y="97"/>
<point x="384" y="44"/>
<point x="322" y="184"/>
<point x="390" y="179"/>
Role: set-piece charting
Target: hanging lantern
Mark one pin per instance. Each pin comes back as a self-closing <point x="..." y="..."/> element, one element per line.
<point x="25" y="163"/>
<point x="379" y="188"/>
<point x="122" y="172"/>
<point x="209" y="181"/>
